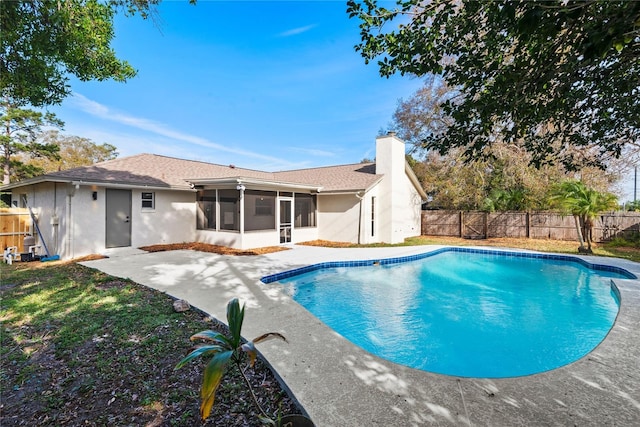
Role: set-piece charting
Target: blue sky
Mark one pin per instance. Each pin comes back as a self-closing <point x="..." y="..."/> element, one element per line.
<point x="264" y="85"/>
<point x="268" y="85"/>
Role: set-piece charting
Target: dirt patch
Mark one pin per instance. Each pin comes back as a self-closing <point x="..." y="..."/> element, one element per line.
<point x="112" y="284"/>
<point x="216" y="249"/>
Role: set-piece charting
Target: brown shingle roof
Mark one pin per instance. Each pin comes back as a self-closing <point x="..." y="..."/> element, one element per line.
<point x="162" y="171"/>
<point x="353" y="177"/>
<point x="154" y="170"/>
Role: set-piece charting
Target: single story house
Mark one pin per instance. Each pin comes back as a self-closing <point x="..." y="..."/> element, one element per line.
<point x="149" y="199"/>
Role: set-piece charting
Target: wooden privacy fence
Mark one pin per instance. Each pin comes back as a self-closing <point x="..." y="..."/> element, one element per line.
<point x="15" y="223"/>
<point x="535" y="225"/>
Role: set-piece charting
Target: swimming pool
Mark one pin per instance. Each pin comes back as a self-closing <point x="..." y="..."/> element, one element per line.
<point x="469" y="313"/>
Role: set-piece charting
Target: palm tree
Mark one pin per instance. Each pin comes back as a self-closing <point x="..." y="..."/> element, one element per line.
<point x="575" y="198"/>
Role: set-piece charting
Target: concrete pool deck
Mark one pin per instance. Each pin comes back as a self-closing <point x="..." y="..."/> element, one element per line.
<point x="340" y="384"/>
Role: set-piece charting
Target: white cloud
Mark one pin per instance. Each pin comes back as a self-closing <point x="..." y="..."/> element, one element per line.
<point x="103" y="112"/>
<point x="296" y="31"/>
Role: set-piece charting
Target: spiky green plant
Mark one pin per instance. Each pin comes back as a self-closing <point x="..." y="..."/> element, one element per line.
<point x="223" y="350"/>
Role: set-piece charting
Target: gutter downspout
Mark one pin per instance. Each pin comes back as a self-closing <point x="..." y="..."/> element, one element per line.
<point x="54" y="219"/>
<point x="71" y="191"/>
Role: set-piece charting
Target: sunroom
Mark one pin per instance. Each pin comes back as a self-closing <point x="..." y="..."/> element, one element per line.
<point x="248" y="212"/>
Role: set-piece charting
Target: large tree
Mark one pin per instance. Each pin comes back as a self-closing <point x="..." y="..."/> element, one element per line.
<point x="505" y="181"/>
<point x="502" y="179"/>
<point x="21" y="131"/>
<point x="421" y="115"/>
<point x="562" y="76"/>
<point x="74" y="151"/>
<point x="42" y="42"/>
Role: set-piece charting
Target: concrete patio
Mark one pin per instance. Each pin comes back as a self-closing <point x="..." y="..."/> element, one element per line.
<point x="340" y="384"/>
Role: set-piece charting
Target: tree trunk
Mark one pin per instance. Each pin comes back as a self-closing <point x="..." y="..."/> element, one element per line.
<point x="588" y="232"/>
<point x="5" y="171"/>
<point x="6" y="142"/>
<point x="579" y="231"/>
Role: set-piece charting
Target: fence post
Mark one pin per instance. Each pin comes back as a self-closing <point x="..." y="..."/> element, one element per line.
<point x="527" y="221"/>
<point x="485" y="225"/>
<point x="461" y="216"/>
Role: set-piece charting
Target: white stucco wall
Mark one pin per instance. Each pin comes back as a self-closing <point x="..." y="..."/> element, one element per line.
<point x="260" y="239"/>
<point x="254" y="239"/>
<point x="406" y="221"/>
<point x="50" y="202"/>
<point x="338" y="217"/>
<point x="172" y="221"/>
<point x="222" y="238"/>
<point x="46" y="200"/>
<point x="81" y="228"/>
<point x="304" y="234"/>
<point x="366" y="233"/>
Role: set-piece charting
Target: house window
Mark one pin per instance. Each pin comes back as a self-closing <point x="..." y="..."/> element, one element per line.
<point x="373" y="216"/>
<point x="206" y="210"/>
<point x="148" y="200"/>
<point x="305" y="210"/>
<point x="259" y="210"/>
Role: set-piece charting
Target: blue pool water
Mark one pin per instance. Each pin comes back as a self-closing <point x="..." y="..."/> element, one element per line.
<point x="466" y="314"/>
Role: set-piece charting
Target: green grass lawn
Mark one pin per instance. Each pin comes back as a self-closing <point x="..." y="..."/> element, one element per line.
<point x="619" y="248"/>
<point x="81" y="347"/>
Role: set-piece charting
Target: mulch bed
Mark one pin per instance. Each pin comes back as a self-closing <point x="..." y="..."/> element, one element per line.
<point x="216" y="249"/>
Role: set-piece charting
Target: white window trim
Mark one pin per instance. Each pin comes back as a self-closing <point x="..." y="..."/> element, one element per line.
<point x="374" y="216"/>
<point x="152" y="199"/>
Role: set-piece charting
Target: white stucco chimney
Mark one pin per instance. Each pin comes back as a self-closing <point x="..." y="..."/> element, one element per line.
<point x="390" y="155"/>
<point x="390" y="162"/>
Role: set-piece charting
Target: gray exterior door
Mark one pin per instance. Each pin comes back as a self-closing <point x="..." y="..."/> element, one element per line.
<point x="118" y="212"/>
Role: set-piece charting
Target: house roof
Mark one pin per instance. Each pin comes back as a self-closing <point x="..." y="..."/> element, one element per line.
<point x="342" y="178"/>
<point x="155" y="171"/>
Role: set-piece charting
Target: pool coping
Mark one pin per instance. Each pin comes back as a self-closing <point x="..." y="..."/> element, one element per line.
<point x="400" y="260"/>
<point x="340" y="384"/>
